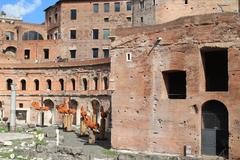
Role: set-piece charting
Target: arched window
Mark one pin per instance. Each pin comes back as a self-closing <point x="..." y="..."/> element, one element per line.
<point x="9" y="83"/>
<point x="96" y="83"/>
<point x="9" y="36"/>
<point x="32" y="35"/>
<point x="49" y="84"/>
<point x="23" y="84"/>
<point x="85" y="84"/>
<point x="73" y="84"/>
<point x="36" y="81"/>
<point x="61" y="81"/>
<point x="10" y="50"/>
<point x="106" y="83"/>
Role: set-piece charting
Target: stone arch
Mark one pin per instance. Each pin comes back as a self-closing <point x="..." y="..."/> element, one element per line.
<point x="85" y="84"/>
<point x="49" y="115"/>
<point x="23" y="84"/>
<point x="36" y="84"/>
<point x="9" y="36"/>
<point x="9" y="83"/>
<point x="10" y="50"/>
<point x="73" y="104"/>
<point x="32" y="35"/>
<point x="96" y="114"/>
<point x="215" y="131"/>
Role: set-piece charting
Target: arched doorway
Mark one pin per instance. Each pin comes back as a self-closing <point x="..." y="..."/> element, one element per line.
<point x="96" y="111"/>
<point x="49" y="115"/>
<point x="215" y="135"/>
<point x="73" y="104"/>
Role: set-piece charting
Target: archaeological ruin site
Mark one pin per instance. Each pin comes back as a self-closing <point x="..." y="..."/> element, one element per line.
<point x="149" y="79"/>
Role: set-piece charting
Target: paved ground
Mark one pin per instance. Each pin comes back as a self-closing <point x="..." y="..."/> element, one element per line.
<point x="14" y="136"/>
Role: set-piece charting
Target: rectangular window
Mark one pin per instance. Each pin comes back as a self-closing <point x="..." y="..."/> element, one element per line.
<point x="106" y="19"/>
<point x="106" y="33"/>
<point x="215" y="62"/>
<point x="73" y="14"/>
<point x="141" y="19"/>
<point x="73" y="53"/>
<point x="95" y="8"/>
<point x="46" y="53"/>
<point x="129" y="6"/>
<point x="106" y="7"/>
<point x="95" y="52"/>
<point x="27" y="54"/>
<point x="73" y="34"/>
<point x="117" y="6"/>
<point x="142" y="4"/>
<point x="106" y="53"/>
<point x="95" y="33"/>
<point x="20" y="105"/>
<point x="175" y="82"/>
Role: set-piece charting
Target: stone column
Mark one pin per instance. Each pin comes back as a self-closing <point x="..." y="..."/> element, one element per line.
<point x="13" y="108"/>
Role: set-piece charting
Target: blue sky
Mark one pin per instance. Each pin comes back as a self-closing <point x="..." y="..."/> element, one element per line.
<point x="29" y="10"/>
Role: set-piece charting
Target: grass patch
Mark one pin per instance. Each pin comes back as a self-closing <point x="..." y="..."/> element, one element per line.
<point x="110" y="153"/>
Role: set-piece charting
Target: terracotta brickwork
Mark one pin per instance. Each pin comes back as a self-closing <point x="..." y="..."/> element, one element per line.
<point x="147" y="116"/>
<point x="150" y="12"/>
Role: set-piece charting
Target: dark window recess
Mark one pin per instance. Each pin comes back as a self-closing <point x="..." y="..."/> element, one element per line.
<point x="142" y="4"/>
<point x="106" y="83"/>
<point x="73" y="34"/>
<point x="215" y="62"/>
<point x="46" y="53"/>
<point x="20" y="105"/>
<point x="129" y="19"/>
<point x="106" y="7"/>
<point x="186" y="1"/>
<point x="73" y="14"/>
<point x="95" y="83"/>
<point x="61" y="81"/>
<point x="23" y="85"/>
<point x="117" y="7"/>
<point x="73" y="84"/>
<point x="95" y="8"/>
<point x="56" y="17"/>
<point x="95" y="52"/>
<point x="73" y="53"/>
<point x="9" y="83"/>
<point x="106" y="19"/>
<point x="85" y="85"/>
<point x="49" y="84"/>
<point x="129" y="6"/>
<point x="106" y="53"/>
<point x="36" y="84"/>
<point x="141" y="19"/>
<point x="95" y="33"/>
<point x="32" y="35"/>
<point x="26" y="54"/>
<point x="175" y="82"/>
<point x="49" y="19"/>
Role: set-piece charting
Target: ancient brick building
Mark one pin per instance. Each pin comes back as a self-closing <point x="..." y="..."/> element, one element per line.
<point x="176" y="87"/>
<point x="150" y="12"/>
<point x="67" y="57"/>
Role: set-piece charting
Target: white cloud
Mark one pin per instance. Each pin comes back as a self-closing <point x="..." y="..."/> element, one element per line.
<point x="21" y="8"/>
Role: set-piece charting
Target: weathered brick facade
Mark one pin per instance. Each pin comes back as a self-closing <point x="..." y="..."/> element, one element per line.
<point x="38" y="59"/>
<point x="149" y="114"/>
<point x="150" y="12"/>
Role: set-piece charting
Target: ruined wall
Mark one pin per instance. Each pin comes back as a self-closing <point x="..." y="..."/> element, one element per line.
<point x="30" y="73"/>
<point x="170" y="124"/>
<point x="161" y="11"/>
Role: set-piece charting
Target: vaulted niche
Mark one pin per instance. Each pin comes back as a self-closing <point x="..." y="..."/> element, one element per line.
<point x="175" y="82"/>
<point x="215" y="63"/>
